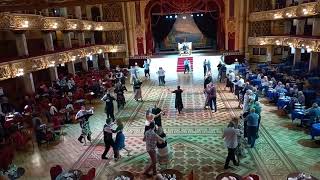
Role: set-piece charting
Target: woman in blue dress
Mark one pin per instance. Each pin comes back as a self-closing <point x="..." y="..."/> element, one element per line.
<point x="119" y="143"/>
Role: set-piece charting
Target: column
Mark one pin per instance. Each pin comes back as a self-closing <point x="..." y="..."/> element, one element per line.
<point x="287" y="27"/>
<point x="300" y="26"/>
<point x="95" y="62"/>
<point x="129" y="29"/>
<point x="93" y="41"/>
<point x="125" y="30"/>
<point x="84" y="64"/>
<point x="28" y="83"/>
<point x="316" y="27"/>
<point x="21" y="44"/>
<point x="88" y="13"/>
<point x="77" y="12"/>
<point x="53" y="71"/>
<point x="81" y="39"/>
<point x="106" y="60"/>
<point x="133" y="25"/>
<point x="297" y="56"/>
<point x="71" y="69"/>
<point x="64" y="12"/>
<point x="313" y="62"/>
<point x="242" y="24"/>
<point x="48" y="42"/>
<point x="101" y="12"/>
<point x="67" y="40"/>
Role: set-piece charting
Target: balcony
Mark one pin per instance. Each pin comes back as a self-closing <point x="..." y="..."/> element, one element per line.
<point x="16" y="68"/>
<point x="310" y="43"/>
<point x="302" y="10"/>
<point x="12" y="21"/>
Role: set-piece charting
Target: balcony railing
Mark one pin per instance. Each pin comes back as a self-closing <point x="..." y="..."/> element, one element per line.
<point x="19" y="67"/>
<point x="12" y="21"/>
<point x="302" y="10"/>
<point x="309" y="43"/>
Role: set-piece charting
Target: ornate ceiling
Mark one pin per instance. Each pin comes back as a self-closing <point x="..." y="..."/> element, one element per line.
<point x="16" y="5"/>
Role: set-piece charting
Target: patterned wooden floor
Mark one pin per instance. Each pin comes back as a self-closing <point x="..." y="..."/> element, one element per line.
<point x="194" y="139"/>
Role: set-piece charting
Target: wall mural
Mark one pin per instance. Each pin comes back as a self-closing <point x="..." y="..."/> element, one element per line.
<point x="185" y="30"/>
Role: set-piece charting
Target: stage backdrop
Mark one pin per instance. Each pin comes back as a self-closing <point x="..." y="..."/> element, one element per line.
<point x="184" y="28"/>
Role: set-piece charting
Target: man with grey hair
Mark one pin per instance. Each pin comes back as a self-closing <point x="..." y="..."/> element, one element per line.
<point x="252" y="126"/>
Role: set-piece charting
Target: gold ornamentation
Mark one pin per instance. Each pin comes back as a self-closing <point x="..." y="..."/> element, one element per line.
<point x="296" y="42"/>
<point x="231" y="25"/>
<point x="302" y="10"/>
<point x="10" y="21"/>
<point x="11" y="69"/>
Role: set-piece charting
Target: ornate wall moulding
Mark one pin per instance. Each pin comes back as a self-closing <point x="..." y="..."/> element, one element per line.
<point x="302" y="10"/>
<point x="11" y="21"/>
<point x="19" y="67"/>
<point x="296" y="42"/>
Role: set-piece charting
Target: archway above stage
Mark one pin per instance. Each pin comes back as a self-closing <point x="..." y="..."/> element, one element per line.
<point x="184" y="7"/>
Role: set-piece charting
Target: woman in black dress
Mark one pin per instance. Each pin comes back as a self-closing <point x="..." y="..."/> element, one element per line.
<point x="119" y="90"/>
<point x="178" y="101"/>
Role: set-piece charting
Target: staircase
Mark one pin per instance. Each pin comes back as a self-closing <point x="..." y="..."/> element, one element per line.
<point x="180" y="64"/>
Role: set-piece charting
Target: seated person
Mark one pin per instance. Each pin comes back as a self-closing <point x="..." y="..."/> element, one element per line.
<point x="301" y="98"/>
<point x="314" y="113"/>
<point x="40" y="130"/>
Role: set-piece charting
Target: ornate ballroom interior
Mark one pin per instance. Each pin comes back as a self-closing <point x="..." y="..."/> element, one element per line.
<point x="60" y="56"/>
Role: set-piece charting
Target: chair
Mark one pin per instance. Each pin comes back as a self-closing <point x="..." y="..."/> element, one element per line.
<point x="90" y="176"/>
<point x="251" y="176"/>
<point x="55" y="171"/>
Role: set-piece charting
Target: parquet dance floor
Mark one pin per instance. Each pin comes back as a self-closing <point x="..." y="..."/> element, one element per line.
<point x="194" y="138"/>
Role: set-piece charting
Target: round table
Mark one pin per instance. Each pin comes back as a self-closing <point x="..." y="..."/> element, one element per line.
<point x="124" y="173"/>
<point x="315" y="130"/>
<point x="283" y="102"/>
<point x="295" y="174"/>
<point x="75" y="174"/>
<point x="256" y="82"/>
<point x="179" y="175"/>
<point x="227" y="174"/>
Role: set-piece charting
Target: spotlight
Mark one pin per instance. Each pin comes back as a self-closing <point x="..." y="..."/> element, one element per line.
<point x="201" y="14"/>
<point x="170" y="16"/>
<point x="191" y="15"/>
<point x="198" y="15"/>
<point x="167" y="17"/>
<point x="184" y="17"/>
<point x="176" y="16"/>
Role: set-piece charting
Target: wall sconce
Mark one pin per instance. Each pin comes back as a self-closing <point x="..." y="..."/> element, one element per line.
<point x="52" y="64"/>
<point x="20" y="72"/>
<point x="262" y="43"/>
<point x="99" y="28"/>
<point x="100" y="51"/>
<point x="54" y="25"/>
<point x="88" y="27"/>
<point x="277" y="16"/>
<point x="25" y="24"/>
<point x="73" y="58"/>
<point x="289" y="15"/>
<point x="305" y="11"/>
<point x="74" y="26"/>
<point x="278" y="42"/>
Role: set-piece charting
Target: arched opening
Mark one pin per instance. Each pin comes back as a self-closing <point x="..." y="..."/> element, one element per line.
<point x="203" y="22"/>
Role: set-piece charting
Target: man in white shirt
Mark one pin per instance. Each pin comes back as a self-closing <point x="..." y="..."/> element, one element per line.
<point x="132" y="74"/>
<point x="186" y="64"/>
<point x="231" y="78"/>
<point x="230" y="136"/>
<point x="161" y="76"/>
<point x="52" y="109"/>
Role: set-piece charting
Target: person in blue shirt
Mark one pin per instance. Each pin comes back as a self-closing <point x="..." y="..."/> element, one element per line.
<point x="314" y="113"/>
<point x="252" y="127"/>
<point x="146" y="67"/>
<point x="186" y="64"/>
